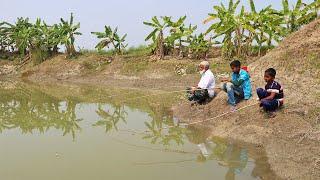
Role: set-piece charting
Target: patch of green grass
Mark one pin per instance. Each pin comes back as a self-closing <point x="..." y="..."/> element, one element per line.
<point x="219" y="68"/>
<point x="134" y="66"/>
<point x="314" y="60"/>
<point x="191" y="68"/>
<point x="88" y="65"/>
<point x="141" y="50"/>
<point x="263" y="50"/>
<point x="314" y="117"/>
<point x="101" y="52"/>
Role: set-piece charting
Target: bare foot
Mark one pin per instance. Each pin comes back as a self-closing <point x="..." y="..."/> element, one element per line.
<point x="233" y="109"/>
<point x="271" y="115"/>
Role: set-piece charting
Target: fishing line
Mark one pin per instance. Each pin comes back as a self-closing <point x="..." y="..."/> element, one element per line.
<point x="192" y="123"/>
<point x="188" y="160"/>
<point x="153" y="149"/>
<point x="163" y="162"/>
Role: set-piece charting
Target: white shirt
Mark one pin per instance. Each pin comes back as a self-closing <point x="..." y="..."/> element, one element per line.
<point x="207" y="81"/>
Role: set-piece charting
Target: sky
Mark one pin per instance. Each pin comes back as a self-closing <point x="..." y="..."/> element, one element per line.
<point x="127" y="15"/>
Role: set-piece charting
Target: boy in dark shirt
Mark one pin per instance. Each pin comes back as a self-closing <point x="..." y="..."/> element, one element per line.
<point x="271" y="97"/>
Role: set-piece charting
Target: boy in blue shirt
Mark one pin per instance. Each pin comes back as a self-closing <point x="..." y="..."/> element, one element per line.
<point x="239" y="86"/>
<point x="271" y="97"/>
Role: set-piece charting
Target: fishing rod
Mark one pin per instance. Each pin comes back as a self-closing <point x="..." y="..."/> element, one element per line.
<point x="170" y="92"/>
<point x="158" y="89"/>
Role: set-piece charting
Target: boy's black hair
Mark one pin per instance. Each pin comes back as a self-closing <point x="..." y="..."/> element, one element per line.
<point x="271" y="72"/>
<point x="235" y="63"/>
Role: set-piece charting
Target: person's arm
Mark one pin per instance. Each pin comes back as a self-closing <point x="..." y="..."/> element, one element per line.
<point x="243" y="77"/>
<point x="270" y="97"/>
<point x="237" y="82"/>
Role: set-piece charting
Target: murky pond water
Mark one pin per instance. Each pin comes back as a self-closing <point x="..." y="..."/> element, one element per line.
<point x="70" y="132"/>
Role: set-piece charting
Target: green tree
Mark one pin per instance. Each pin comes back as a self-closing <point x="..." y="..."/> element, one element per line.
<point x="198" y="47"/>
<point x="110" y="36"/>
<point x="229" y="26"/>
<point x="299" y="15"/>
<point x="267" y="27"/>
<point x="179" y="34"/>
<point x="19" y="34"/>
<point x="157" y="35"/>
<point x="68" y="32"/>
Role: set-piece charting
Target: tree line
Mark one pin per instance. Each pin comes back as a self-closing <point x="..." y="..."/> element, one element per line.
<point x="237" y="31"/>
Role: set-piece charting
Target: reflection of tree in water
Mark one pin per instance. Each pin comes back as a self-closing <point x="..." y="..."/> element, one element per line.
<point x="156" y="131"/>
<point x="164" y="136"/>
<point x="110" y="120"/>
<point x="37" y="111"/>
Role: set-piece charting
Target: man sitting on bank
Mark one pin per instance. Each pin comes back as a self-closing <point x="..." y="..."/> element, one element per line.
<point x="204" y="91"/>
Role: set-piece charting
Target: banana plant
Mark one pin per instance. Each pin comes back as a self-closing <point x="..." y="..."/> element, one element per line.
<point x="179" y="34"/>
<point x="4" y="39"/>
<point x="157" y="35"/>
<point x="311" y="11"/>
<point x="199" y="47"/>
<point x="110" y="36"/>
<point x="176" y="32"/>
<point x="19" y="34"/>
<point x="68" y="32"/>
<point x="229" y="26"/>
<point x="52" y="37"/>
<point x="267" y="27"/>
<point x="299" y="15"/>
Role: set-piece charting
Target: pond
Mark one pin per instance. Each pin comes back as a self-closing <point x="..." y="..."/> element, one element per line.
<point x="62" y="132"/>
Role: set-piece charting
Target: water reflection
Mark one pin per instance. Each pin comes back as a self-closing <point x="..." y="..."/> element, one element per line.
<point x="229" y="154"/>
<point x="109" y="120"/>
<point x="33" y="110"/>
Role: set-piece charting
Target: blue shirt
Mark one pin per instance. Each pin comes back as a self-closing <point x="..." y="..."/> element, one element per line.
<point x="246" y="85"/>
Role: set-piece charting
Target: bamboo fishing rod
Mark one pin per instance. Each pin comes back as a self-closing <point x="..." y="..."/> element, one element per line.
<point x="170" y="92"/>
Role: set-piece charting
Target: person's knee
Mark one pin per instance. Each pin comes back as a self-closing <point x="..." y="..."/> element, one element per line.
<point x="223" y="86"/>
<point x="265" y="102"/>
<point x="229" y="86"/>
<point x="259" y="90"/>
<point x="268" y="105"/>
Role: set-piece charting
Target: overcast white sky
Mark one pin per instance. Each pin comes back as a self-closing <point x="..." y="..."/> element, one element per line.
<point x="128" y="15"/>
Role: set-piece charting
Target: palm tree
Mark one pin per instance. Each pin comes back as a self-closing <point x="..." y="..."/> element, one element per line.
<point x="157" y="35"/>
<point x="68" y="32"/>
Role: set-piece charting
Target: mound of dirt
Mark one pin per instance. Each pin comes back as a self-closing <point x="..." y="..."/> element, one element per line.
<point x="297" y="61"/>
<point x="292" y="138"/>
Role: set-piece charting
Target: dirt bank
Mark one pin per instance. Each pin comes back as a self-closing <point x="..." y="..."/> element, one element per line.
<point x="121" y="71"/>
<point x="292" y="138"/>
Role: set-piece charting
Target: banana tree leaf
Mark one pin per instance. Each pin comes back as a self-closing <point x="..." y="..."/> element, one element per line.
<point x="156" y="21"/>
<point x="210" y="18"/>
<point x="150" y="24"/>
<point x="152" y="34"/>
<point x="253" y="7"/>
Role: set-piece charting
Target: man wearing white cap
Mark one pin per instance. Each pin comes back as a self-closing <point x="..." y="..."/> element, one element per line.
<point x="205" y="89"/>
